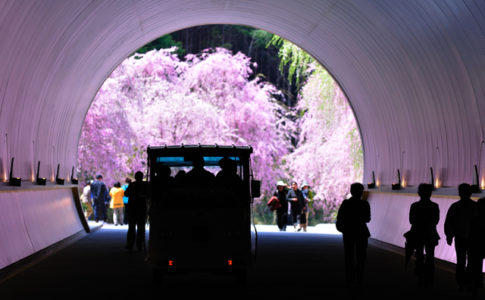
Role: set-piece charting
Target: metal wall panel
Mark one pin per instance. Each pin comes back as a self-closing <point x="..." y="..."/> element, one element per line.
<point x="32" y="220"/>
<point x="390" y="220"/>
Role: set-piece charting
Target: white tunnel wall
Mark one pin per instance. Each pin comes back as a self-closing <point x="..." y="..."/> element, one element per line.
<point x="412" y="70"/>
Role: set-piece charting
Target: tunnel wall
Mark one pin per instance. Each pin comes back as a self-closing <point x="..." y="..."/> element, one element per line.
<point x="390" y="220"/>
<point x="412" y="71"/>
<point x="31" y="220"/>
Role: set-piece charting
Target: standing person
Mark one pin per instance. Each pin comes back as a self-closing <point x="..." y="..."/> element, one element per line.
<point x="424" y="215"/>
<point x="295" y="197"/>
<point x="125" y="201"/>
<point x="458" y="226"/>
<point x="87" y="199"/>
<point x="477" y="250"/>
<point x="305" y="189"/>
<point x="99" y="191"/>
<point x="116" y="203"/>
<point x="107" y="199"/>
<point x="282" y="211"/>
<point x="352" y="217"/>
<point x="137" y="193"/>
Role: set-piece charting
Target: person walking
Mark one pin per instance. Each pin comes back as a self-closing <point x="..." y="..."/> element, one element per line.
<point x="282" y="210"/>
<point x="99" y="191"/>
<point x="352" y="218"/>
<point x="305" y="190"/>
<point x="125" y="200"/>
<point x="116" y="203"/>
<point x="87" y="199"/>
<point x="477" y="249"/>
<point x="137" y="193"/>
<point x="296" y="200"/>
<point x="458" y="227"/>
<point x="424" y="216"/>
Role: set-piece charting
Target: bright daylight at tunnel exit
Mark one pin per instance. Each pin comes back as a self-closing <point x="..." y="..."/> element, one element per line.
<point x="227" y="85"/>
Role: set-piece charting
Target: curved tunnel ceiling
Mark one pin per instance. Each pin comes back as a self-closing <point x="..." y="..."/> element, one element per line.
<point x="414" y="72"/>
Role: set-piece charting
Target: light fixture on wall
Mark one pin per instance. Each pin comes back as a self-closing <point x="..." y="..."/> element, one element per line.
<point x="73" y="180"/>
<point x="475" y="187"/>
<point x="432" y="182"/>
<point x="372" y="185"/>
<point x="397" y="186"/>
<point x="14" y="181"/>
<point x="40" y="180"/>
<point x="59" y="180"/>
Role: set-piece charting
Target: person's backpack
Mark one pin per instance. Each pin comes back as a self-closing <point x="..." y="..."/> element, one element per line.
<point x="274" y="203"/>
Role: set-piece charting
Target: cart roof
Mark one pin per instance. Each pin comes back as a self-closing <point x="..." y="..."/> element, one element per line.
<point x="205" y="150"/>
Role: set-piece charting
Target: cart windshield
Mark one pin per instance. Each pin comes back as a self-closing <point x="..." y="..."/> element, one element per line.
<point x="180" y="161"/>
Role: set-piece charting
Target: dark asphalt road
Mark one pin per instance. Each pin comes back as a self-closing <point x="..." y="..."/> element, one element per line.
<point x="289" y="266"/>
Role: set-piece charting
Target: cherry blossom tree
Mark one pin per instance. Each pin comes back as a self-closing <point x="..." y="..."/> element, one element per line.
<point x="156" y="98"/>
<point x="328" y="155"/>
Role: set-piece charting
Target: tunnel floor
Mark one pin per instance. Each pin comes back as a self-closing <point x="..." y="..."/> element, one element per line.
<point x="289" y="265"/>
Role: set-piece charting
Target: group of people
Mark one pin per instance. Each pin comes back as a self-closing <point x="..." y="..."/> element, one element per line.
<point x="464" y="224"/>
<point x="131" y="202"/>
<point x="291" y="205"/>
<point x="128" y="203"/>
<point x="97" y="198"/>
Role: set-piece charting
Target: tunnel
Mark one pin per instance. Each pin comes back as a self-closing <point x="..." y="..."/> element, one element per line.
<point x="412" y="72"/>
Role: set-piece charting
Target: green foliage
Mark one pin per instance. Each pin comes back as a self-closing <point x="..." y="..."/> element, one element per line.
<point x="261" y="38"/>
<point x="298" y="61"/>
<point x="163" y="42"/>
<point x="356" y="152"/>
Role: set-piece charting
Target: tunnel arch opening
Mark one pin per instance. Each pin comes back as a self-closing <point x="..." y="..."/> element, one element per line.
<point x="330" y="80"/>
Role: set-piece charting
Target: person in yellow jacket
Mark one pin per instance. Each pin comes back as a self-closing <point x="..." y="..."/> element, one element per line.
<point x="116" y="204"/>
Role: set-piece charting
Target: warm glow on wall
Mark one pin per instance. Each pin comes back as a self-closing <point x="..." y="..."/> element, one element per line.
<point x="482" y="184"/>
<point x="403" y="182"/>
<point x="437" y="183"/>
<point x="378" y="183"/>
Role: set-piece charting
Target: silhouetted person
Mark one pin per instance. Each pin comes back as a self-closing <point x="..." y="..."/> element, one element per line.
<point x="198" y="175"/>
<point x="180" y="177"/>
<point x="458" y="226"/>
<point x="352" y="217"/>
<point x="424" y="215"/>
<point x="125" y="200"/>
<point x="228" y="176"/>
<point x="229" y="186"/>
<point x="99" y="191"/>
<point x="477" y="251"/>
<point x="161" y="183"/>
<point x="305" y="189"/>
<point x="161" y="195"/>
<point x="137" y="193"/>
<point x="296" y="200"/>
<point x="282" y="211"/>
